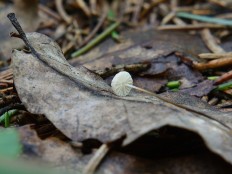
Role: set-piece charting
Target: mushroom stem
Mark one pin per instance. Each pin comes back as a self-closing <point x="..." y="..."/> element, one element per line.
<point x="151" y="93"/>
<point x="140" y="89"/>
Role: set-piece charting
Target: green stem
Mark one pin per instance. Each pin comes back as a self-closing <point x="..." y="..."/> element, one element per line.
<point x="111" y="16"/>
<point x="96" y="40"/>
<point x="224" y="86"/>
<point x="6" y="117"/>
<point x="204" y="18"/>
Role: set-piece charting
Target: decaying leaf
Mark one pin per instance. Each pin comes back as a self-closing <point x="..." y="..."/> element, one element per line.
<point x="82" y="106"/>
<point x="152" y="47"/>
<point x="141" y="46"/>
<point x="54" y="152"/>
<point x="200" y="89"/>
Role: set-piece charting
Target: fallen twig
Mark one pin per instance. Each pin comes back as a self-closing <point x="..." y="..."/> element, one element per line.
<point x="210" y="41"/>
<point x="61" y="11"/>
<point x="147" y="11"/>
<point x="225" y="77"/>
<point x="6" y="90"/>
<point x="168" y="17"/>
<point x="215" y="55"/>
<point x="6" y="81"/>
<point x="96" y="159"/>
<point x="96" y="40"/>
<point x="213" y="63"/>
<point x="49" y="12"/>
<point x="6" y="74"/>
<point x="213" y="101"/>
<point x="94" y="31"/>
<point x="83" y="6"/>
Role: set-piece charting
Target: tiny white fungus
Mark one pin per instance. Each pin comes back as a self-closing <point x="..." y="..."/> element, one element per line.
<point x="122" y="83"/>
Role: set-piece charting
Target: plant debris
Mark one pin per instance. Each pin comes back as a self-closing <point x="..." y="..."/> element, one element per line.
<point x="55" y="89"/>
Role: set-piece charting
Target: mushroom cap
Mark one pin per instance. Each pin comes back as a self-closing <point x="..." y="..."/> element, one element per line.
<point x="120" y="82"/>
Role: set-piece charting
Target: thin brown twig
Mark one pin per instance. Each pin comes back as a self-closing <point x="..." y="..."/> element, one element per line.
<point x="94" y="31"/>
<point x="8" y="77"/>
<point x="214" y="55"/>
<point x="49" y="12"/>
<point x="6" y="90"/>
<point x="62" y="12"/>
<point x="68" y="47"/>
<point x="213" y="63"/>
<point x="210" y="41"/>
<point x="147" y="11"/>
<point x="168" y="17"/>
<point x="6" y="81"/>
<point x="225" y="77"/>
<point x="93" y="7"/>
<point x="96" y="159"/>
<point x="6" y="74"/>
<point x="213" y="101"/>
<point x="179" y="21"/>
<point x="84" y="7"/>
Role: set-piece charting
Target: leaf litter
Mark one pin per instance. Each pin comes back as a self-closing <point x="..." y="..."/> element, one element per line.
<point x="91" y="110"/>
<point x="191" y="104"/>
<point x="63" y="156"/>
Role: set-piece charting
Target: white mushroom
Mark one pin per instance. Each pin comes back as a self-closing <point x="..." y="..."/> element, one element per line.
<point x="122" y="84"/>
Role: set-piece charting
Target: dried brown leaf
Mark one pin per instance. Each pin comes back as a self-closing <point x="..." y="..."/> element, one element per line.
<point x="82" y="105"/>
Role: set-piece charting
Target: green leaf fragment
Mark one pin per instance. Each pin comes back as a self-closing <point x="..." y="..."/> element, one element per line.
<point x="173" y="84"/>
<point x="213" y="78"/>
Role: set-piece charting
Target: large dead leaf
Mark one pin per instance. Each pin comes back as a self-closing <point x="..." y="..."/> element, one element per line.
<point x="82" y="105"/>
